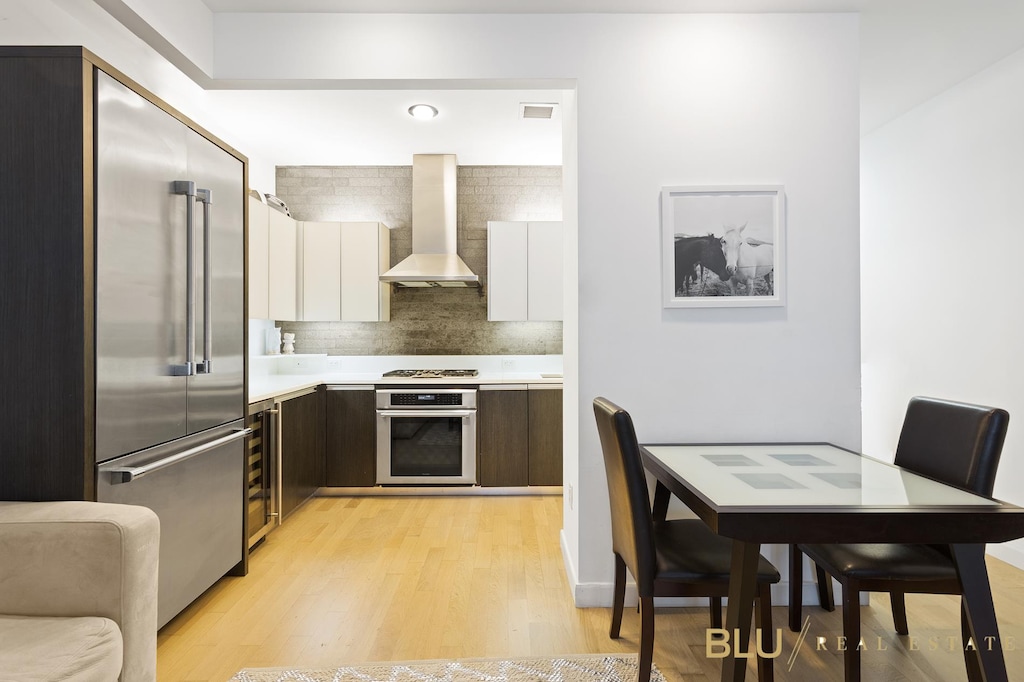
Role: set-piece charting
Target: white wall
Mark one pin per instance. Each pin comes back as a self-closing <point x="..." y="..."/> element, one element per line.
<point x="80" y="22"/>
<point x="660" y="100"/>
<point x="716" y="100"/>
<point x="186" y="24"/>
<point x="942" y="240"/>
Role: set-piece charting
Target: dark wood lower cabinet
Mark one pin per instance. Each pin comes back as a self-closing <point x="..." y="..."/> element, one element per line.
<point x="519" y="435"/>
<point x="351" y="437"/>
<point x="503" y="443"/>
<point x="545" y="436"/>
<point x="302" y="449"/>
<point x="329" y="438"/>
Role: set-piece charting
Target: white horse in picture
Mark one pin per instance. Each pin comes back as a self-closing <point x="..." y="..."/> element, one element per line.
<point x="745" y="263"/>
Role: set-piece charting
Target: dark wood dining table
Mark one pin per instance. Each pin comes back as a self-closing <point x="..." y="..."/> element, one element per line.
<point x="819" y="493"/>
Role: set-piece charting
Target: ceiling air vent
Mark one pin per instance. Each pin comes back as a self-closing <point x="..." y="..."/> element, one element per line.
<point x="536" y="110"/>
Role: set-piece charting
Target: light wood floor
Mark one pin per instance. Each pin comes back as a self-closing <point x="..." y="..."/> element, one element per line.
<point x="350" y="580"/>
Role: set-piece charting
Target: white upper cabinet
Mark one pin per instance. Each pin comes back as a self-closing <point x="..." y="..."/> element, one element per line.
<point x="341" y="268"/>
<point x="524" y="270"/>
<point x="283" y="266"/>
<point x="259" y="261"/>
<point x="506" y="271"/>
<point x="321" y="271"/>
<point x="365" y="256"/>
<point x="544" y="274"/>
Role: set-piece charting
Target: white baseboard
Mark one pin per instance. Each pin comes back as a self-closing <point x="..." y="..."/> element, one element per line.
<point x="570" y="568"/>
<point x="599" y="595"/>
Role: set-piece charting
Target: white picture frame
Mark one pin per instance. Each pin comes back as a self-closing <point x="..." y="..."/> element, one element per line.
<point x="747" y="224"/>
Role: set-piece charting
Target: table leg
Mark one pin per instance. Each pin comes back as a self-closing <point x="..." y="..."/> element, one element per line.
<point x="662" y="496"/>
<point x="739" y="610"/>
<point x="979" y="614"/>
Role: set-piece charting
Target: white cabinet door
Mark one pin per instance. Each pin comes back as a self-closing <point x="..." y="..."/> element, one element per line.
<point x="544" y="276"/>
<point x="321" y="271"/>
<point x="524" y="270"/>
<point x="365" y="256"/>
<point x="506" y="271"/>
<point x="283" y="270"/>
<point x="259" y="261"/>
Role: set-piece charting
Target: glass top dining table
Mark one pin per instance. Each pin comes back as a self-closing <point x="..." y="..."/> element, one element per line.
<point x="821" y="493"/>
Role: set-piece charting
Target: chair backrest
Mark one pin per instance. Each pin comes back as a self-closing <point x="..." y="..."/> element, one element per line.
<point x="956" y="443"/>
<point x="632" y="523"/>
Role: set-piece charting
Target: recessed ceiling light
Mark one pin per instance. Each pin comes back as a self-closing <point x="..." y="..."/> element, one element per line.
<point x="422" y="111"/>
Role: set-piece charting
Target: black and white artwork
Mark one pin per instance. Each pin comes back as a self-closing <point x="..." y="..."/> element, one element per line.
<point x="723" y="246"/>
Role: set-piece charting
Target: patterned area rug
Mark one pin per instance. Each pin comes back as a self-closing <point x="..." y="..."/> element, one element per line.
<point x="583" y="668"/>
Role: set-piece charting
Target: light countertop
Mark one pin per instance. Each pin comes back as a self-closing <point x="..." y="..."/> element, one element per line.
<point x="263" y="386"/>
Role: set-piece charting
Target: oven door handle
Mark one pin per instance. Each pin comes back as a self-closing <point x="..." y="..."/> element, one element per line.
<point x="425" y="413"/>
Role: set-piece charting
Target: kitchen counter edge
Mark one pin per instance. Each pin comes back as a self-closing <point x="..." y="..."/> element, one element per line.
<point x="277" y="385"/>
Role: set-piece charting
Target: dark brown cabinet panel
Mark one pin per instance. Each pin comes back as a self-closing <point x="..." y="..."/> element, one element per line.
<point x="503" y="437"/>
<point x="351" y="438"/>
<point x="545" y="407"/>
<point x="302" y="449"/>
<point x="46" y="318"/>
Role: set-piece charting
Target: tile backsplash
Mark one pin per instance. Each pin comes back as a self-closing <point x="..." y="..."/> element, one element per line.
<point x="426" y="321"/>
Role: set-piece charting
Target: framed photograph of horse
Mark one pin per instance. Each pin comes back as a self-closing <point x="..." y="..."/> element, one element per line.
<point x="723" y="246"/>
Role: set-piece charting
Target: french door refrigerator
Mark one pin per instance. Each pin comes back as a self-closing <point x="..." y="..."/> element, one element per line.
<point x="169" y="320"/>
<point x="126" y="220"/>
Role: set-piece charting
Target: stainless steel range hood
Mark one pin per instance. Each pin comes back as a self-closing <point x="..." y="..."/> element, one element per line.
<point x="434" y="261"/>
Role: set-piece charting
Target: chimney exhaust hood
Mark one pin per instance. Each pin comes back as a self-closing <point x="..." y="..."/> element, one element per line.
<point x="434" y="261"/>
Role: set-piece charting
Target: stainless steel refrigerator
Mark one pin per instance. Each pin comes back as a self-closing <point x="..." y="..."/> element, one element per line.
<point x="169" y="334"/>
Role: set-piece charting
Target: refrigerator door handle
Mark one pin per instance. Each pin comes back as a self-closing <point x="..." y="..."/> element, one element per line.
<point x="206" y="197"/>
<point x="129" y="474"/>
<point x="188" y="188"/>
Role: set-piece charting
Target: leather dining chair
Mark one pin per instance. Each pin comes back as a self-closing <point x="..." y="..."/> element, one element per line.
<point x="677" y="558"/>
<point x="956" y="443"/>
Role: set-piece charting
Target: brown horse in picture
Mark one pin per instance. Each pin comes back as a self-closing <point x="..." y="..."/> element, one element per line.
<point x="691" y="252"/>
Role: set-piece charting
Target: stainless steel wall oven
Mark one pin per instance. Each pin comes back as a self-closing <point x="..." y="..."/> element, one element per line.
<point x="426" y="436"/>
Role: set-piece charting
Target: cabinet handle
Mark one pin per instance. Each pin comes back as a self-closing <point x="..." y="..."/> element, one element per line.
<point x="279" y="487"/>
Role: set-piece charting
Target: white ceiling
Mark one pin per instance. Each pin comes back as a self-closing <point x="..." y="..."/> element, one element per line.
<point x="373" y="127"/>
<point x="536" y="6"/>
<point x="911" y="50"/>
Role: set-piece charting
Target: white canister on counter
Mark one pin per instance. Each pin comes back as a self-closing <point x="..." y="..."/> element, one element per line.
<point x="274" y="341"/>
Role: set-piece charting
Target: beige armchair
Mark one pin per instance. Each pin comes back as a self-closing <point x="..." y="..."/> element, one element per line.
<point x="78" y="591"/>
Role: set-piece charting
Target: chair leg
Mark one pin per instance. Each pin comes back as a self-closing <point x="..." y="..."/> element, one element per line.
<point x="796" y="585"/>
<point x="646" y="638"/>
<point x="851" y="631"/>
<point x="899" y="613"/>
<point x="715" y="607"/>
<point x="618" y="597"/>
<point x="765" y="666"/>
<point x="824" y="581"/>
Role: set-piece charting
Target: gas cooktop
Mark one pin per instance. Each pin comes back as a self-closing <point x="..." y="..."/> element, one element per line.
<point x="431" y="373"/>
